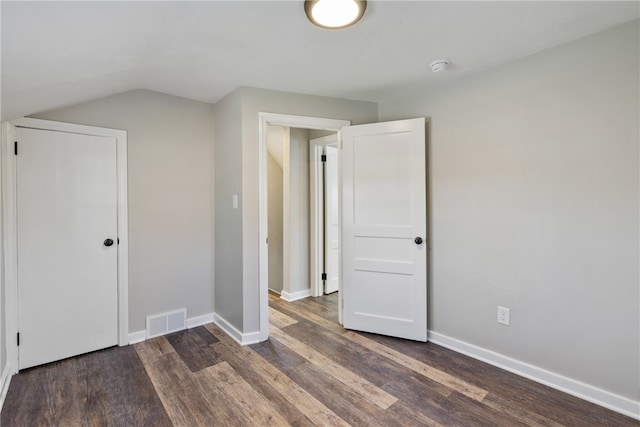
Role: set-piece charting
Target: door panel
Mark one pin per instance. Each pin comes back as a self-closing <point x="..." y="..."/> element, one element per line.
<point x="332" y="230"/>
<point x="67" y="276"/>
<point x="381" y="200"/>
<point x="384" y="209"/>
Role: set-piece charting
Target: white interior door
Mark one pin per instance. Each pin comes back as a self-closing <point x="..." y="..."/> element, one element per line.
<point x="332" y="225"/>
<point x="384" y="251"/>
<point x="67" y="271"/>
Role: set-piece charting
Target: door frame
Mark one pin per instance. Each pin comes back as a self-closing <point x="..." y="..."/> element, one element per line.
<point x="292" y="121"/>
<point x="316" y="210"/>
<point x="9" y="215"/>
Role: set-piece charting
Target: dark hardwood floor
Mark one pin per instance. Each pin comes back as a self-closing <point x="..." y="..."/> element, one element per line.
<point x="310" y="372"/>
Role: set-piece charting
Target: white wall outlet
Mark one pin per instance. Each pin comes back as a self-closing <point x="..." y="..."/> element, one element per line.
<point x="504" y="315"/>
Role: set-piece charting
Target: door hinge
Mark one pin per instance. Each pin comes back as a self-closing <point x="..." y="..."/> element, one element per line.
<point x="18" y="338"/>
<point x="323" y="158"/>
<point x="15" y="148"/>
<point x="324" y="276"/>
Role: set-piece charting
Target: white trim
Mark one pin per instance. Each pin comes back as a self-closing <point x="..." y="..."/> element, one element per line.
<point x="27" y="122"/>
<point x="5" y="380"/>
<point x="123" y="237"/>
<point x="10" y="220"/>
<point x="303" y="122"/>
<point x="193" y="322"/>
<point x="10" y="245"/>
<point x="573" y="387"/>
<point x="6" y="370"/>
<point x="222" y="323"/>
<point x="295" y="296"/>
<point x="233" y="332"/>
<point x="199" y="320"/>
<point x="251" y="338"/>
<point x="138" y="336"/>
<point x="316" y="210"/>
<point x="264" y="120"/>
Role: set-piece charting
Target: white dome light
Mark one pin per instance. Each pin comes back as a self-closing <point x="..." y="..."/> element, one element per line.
<point x="439" y="65"/>
<point x="334" y="14"/>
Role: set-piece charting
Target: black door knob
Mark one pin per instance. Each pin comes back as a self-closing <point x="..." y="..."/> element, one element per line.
<point x="418" y="240"/>
<point x="108" y="242"/>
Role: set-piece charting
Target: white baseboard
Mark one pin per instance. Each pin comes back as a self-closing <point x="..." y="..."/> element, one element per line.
<point x="5" y="380"/>
<point x="139" y="336"/>
<point x="576" y="388"/>
<point x="251" y="338"/>
<point x="294" y="296"/>
<point x="228" y="328"/>
<point x="239" y="337"/>
<point x="200" y="320"/>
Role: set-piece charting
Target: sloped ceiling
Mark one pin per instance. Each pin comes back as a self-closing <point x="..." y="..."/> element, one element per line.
<point x="56" y="54"/>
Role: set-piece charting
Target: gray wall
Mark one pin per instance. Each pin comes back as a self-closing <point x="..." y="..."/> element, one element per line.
<point x="228" y="221"/>
<point x="288" y="204"/>
<point x="297" y="221"/>
<point x="170" y="158"/>
<point x="534" y="206"/>
<point x="254" y="102"/>
<point x="236" y="142"/>
<point x="274" y="176"/>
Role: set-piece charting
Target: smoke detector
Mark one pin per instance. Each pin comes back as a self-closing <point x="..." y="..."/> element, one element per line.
<point x="439" y="65"/>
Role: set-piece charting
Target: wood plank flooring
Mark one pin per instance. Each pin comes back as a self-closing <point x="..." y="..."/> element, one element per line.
<point x="310" y="372"/>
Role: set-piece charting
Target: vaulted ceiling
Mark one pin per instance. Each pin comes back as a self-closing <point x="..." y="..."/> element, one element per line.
<point x="56" y="54"/>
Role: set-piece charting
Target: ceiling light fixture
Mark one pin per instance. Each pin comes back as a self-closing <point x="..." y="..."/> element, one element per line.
<point x="334" y="14"/>
<point x="439" y="65"/>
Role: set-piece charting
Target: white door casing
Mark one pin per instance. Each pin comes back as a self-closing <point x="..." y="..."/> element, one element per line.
<point x="384" y="287"/>
<point x="118" y="177"/>
<point x="331" y="221"/>
<point x="67" y="275"/>
<point x="264" y="120"/>
<point x="317" y="209"/>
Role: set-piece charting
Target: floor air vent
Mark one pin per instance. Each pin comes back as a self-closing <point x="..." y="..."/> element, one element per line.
<point x="165" y="323"/>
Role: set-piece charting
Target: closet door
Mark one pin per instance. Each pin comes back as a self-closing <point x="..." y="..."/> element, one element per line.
<point x="67" y="244"/>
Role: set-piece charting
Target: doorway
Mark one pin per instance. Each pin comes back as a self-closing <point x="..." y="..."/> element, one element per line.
<point x="302" y="180"/>
<point x="288" y="211"/>
<point x="383" y="218"/>
<point x="295" y="122"/>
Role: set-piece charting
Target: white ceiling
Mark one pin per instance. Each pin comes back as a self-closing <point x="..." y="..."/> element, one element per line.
<point x="56" y="54"/>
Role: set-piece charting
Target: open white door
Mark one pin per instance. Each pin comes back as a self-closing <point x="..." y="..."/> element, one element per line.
<point x="384" y="224"/>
